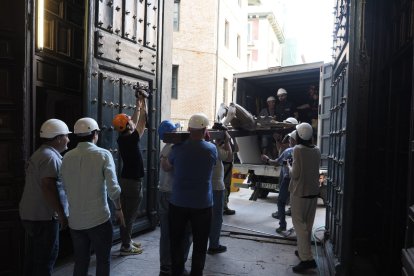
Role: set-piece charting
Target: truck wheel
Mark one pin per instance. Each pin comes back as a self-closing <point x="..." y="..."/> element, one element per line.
<point x="263" y="193"/>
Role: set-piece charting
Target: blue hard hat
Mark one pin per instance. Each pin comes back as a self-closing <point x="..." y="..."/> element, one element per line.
<point x="166" y="126"/>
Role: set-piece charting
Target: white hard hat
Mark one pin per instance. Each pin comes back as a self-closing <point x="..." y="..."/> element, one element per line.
<point x="293" y="135"/>
<point x="291" y="120"/>
<point x="304" y="131"/>
<point x="85" y="126"/>
<point x="52" y="128"/>
<point x="198" y="121"/>
<point x="281" y="91"/>
<point x="271" y="98"/>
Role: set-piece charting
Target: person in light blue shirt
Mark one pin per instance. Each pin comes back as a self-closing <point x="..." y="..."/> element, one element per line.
<point x="89" y="177"/>
<point x="284" y="180"/>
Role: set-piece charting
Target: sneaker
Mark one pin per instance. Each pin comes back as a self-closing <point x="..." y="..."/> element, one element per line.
<point x="219" y="249"/>
<point x="275" y="215"/>
<point x="132" y="250"/>
<point x="136" y="244"/>
<point x="229" y="212"/>
<point x="304" y="265"/>
<point x="280" y="230"/>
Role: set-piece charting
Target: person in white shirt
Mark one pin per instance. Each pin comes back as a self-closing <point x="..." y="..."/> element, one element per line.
<point x="89" y="177"/>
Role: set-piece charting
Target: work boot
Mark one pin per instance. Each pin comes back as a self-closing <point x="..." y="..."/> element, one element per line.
<point x="229" y="212"/>
<point x="280" y="230"/>
<point x="304" y="265"/>
<point x="275" y="215"/>
<point x="219" y="249"/>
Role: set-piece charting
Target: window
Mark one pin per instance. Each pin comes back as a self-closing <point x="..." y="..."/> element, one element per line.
<point x="255" y="55"/>
<point x="176" y="16"/>
<point x="226" y="34"/>
<point x="225" y="90"/>
<point x="238" y="46"/>
<point x="249" y="32"/>
<point x="248" y="62"/>
<point x="174" y="82"/>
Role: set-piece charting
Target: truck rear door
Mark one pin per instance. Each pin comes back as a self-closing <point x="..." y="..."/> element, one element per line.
<point x="324" y="110"/>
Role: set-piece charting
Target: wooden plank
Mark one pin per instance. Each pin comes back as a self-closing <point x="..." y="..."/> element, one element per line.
<point x="180" y="136"/>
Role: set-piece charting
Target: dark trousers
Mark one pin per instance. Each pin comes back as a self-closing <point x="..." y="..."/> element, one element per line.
<point x="42" y="246"/>
<point x="200" y="221"/>
<point x="100" y="238"/>
<point x="282" y="201"/>
<point x="130" y="200"/>
<point x="228" y="167"/>
<point x="165" y="252"/>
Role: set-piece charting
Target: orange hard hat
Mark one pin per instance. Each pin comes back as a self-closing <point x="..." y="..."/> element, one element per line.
<point x="120" y="122"/>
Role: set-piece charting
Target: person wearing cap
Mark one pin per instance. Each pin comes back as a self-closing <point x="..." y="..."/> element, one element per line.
<point x="130" y="131"/>
<point x="308" y="111"/>
<point x="164" y="195"/>
<point x="266" y="141"/>
<point x="304" y="191"/>
<point x="89" y="178"/>
<point x="284" y="179"/>
<point x="44" y="205"/>
<point x="270" y="109"/>
<point x="284" y="108"/>
<point x="282" y="141"/>
<point x="192" y="195"/>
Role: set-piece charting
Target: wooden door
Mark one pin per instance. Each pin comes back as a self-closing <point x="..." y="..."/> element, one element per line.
<point x="122" y="53"/>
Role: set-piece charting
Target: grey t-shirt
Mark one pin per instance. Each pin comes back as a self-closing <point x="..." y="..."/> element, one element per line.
<point x="166" y="178"/>
<point x="45" y="162"/>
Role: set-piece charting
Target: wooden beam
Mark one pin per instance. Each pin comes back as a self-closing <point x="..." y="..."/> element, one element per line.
<point x="180" y="136"/>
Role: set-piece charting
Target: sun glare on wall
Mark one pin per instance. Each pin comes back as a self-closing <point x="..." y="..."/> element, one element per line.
<point x="40" y="23"/>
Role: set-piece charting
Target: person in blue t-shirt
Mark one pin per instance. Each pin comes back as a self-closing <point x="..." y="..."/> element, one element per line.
<point x="192" y="197"/>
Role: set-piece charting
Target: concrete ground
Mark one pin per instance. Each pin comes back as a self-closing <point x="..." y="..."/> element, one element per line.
<point x="253" y="247"/>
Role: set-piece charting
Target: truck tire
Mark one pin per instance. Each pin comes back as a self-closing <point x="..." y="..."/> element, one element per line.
<point x="263" y="193"/>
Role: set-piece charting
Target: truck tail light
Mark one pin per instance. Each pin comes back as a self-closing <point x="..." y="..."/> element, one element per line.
<point x="239" y="175"/>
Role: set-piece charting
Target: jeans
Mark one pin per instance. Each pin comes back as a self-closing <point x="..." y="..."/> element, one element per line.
<point x="282" y="200"/>
<point x="165" y="252"/>
<point x="42" y="248"/>
<point x="217" y="219"/>
<point x="100" y="238"/>
<point x="200" y="220"/>
<point x="130" y="199"/>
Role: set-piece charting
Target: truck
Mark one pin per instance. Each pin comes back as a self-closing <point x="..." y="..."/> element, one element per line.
<point x="250" y="90"/>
